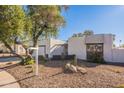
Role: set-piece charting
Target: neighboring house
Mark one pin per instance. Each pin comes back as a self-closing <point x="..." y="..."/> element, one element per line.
<point x="18" y="48"/>
<point x="51" y="47"/>
<point x="48" y="47"/>
<point x="3" y="48"/>
<point x="84" y="47"/>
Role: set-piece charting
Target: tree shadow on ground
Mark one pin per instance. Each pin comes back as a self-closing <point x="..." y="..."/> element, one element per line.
<point x="10" y="66"/>
<point x="61" y="63"/>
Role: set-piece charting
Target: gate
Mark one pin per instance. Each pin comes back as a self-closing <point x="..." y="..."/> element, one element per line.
<point x="94" y="51"/>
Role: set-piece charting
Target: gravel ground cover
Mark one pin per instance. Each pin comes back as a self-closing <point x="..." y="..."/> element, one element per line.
<point x="51" y="75"/>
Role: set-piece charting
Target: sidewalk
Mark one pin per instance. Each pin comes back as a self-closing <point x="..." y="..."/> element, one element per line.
<point x="7" y="80"/>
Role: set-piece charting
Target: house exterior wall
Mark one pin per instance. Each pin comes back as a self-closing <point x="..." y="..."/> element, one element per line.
<point x="77" y="46"/>
<point x="56" y="47"/>
<point x="118" y="55"/>
<point x="51" y="47"/>
<point x="107" y="50"/>
<point x="43" y="47"/>
<point x="41" y="51"/>
<point x="98" y="38"/>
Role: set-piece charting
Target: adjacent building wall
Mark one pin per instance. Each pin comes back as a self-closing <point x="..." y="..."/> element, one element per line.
<point x="118" y="55"/>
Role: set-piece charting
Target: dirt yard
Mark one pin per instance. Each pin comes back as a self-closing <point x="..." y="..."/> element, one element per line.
<point x="51" y="75"/>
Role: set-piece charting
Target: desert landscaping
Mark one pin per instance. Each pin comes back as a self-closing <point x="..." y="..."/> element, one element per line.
<point x="43" y="46"/>
<point x="52" y="75"/>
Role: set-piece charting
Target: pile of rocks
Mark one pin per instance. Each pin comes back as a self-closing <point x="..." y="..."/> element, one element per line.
<point x="74" y="69"/>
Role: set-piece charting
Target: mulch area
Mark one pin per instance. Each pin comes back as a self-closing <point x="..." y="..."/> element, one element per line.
<point x="51" y="75"/>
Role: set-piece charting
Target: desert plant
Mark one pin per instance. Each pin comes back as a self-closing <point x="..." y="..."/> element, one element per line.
<point x="28" y="61"/>
<point x="98" y="59"/>
<point x="74" y="61"/>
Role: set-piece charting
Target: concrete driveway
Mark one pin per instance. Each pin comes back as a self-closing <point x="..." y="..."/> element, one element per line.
<point x="7" y="80"/>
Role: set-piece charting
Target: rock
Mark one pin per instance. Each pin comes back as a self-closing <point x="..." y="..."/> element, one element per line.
<point x="70" y="68"/>
<point x="82" y="70"/>
<point x="73" y="68"/>
<point x="67" y="66"/>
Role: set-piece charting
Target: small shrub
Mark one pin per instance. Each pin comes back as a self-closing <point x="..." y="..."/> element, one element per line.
<point x="97" y="58"/>
<point x="28" y="61"/>
<point x="74" y="61"/>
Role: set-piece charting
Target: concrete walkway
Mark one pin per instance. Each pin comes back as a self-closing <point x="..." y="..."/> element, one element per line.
<point x="7" y="80"/>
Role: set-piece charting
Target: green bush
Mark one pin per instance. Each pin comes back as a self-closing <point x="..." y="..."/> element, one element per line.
<point x="97" y="58"/>
<point x="28" y="61"/>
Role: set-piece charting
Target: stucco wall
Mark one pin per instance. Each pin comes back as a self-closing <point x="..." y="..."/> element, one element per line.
<point x="41" y="51"/>
<point x="52" y="47"/>
<point x="107" y="49"/>
<point x="56" y="47"/>
<point x="98" y="38"/>
<point x="118" y="55"/>
<point x="76" y="45"/>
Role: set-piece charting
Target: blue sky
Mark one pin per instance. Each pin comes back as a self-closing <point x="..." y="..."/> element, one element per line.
<point x="100" y="19"/>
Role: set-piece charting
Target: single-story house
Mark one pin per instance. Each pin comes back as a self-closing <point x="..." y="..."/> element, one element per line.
<point x="18" y="48"/>
<point x="52" y="47"/>
<point x="84" y="47"/>
<point x="48" y="47"/>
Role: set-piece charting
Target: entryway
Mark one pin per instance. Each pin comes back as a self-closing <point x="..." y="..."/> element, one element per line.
<point x="94" y="51"/>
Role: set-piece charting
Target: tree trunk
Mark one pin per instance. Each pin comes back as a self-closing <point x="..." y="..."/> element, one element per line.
<point x="11" y="50"/>
<point x="35" y="42"/>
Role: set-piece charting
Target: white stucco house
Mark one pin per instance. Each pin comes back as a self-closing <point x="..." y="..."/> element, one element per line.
<point x="51" y="47"/>
<point x="83" y="46"/>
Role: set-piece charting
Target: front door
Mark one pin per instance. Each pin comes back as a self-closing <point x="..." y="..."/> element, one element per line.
<point x="94" y="51"/>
